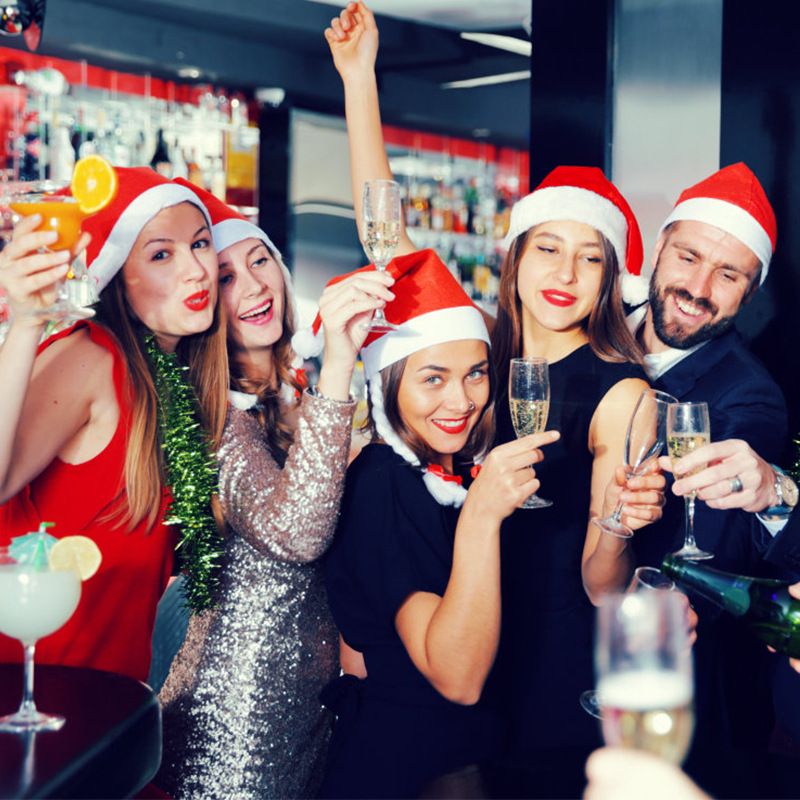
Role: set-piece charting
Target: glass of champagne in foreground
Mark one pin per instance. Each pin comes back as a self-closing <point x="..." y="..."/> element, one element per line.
<point x="35" y="601"/>
<point x="644" y="669"/>
<point x="645" y="579"/>
<point x="381" y="212"/>
<point x="688" y="427"/>
<point x="62" y="214"/>
<point x="644" y="441"/>
<point x="529" y="402"/>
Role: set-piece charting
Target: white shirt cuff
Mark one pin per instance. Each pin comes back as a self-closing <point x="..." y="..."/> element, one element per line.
<point x="774" y="526"/>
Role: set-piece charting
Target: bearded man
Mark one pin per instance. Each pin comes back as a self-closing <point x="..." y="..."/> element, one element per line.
<point x="712" y="254"/>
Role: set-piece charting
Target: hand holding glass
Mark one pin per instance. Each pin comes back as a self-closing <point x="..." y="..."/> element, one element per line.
<point x="381" y="213"/>
<point x="688" y="427"/>
<point x="529" y="402"/>
<point x="59" y="213"/>
<point x="644" y="441"/>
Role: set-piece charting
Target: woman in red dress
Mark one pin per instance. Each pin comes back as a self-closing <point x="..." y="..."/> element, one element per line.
<point x="80" y="440"/>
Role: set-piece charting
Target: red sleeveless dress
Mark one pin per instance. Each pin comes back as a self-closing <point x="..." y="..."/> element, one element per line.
<point x="112" y="627"/>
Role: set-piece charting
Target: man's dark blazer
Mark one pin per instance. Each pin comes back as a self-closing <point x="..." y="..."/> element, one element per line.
<point x="733" y="700"/>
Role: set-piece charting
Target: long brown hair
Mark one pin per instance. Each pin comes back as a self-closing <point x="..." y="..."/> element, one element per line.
<point x="480" y="438"/>
<point x="207" y="358"/>
<point x="270" y="411"/>
<point x="605" y="326"/>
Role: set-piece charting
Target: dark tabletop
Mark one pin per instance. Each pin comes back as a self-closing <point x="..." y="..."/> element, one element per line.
<point x="110" y="745"/>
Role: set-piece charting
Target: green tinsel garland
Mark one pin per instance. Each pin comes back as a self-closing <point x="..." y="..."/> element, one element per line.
<point x="192" y="475"/>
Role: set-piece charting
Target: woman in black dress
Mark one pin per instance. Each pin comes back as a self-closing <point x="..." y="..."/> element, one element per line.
<point x="413" y="584"/>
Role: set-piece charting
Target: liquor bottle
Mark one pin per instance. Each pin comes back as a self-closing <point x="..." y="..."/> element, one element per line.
<point x="160" y="161"/>
<point x="763" y="605"/>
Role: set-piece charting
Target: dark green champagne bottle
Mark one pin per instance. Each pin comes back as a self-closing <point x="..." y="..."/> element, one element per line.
<point x="764" y="606"/>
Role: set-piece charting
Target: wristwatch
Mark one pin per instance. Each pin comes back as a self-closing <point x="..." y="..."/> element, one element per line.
<point x="786" y="492"/>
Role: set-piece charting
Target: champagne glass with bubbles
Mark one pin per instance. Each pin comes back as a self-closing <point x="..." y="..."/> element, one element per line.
<point x="381" y="212"/>
<point x="645" y="579"/>
<point x="688" y="427"/>
<point x="643" y="660"/>
<point x="529" y="402"/>
<point x="644" y="441"/>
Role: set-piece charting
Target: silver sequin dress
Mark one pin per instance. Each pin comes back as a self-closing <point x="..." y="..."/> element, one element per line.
<point x="241" y="711"/>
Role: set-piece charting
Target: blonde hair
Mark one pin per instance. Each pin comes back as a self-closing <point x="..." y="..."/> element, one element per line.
<point x="140" y="493"/>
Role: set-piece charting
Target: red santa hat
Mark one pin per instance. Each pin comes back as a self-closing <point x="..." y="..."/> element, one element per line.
<point x="142" y="193"/>
<point x="229" y="227"/>
<point x="584" y="194"/>
<point x="429" y="308"/>
<point x="733" y="200"/>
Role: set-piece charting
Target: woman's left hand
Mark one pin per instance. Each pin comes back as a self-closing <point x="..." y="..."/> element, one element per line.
<point x="345" y="308"/>
<point x="643" y="496"/>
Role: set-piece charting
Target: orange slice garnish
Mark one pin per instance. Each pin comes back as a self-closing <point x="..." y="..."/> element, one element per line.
<point x="94" y="184"/>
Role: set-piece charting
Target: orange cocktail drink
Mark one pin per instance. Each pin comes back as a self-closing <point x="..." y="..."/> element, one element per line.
<point x="60" y="214"/>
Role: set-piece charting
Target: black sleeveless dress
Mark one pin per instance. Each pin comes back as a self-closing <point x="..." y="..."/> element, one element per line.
<point x="545" y="659"/>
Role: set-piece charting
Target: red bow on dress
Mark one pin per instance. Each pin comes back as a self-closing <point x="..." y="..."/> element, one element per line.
<point x="438" y="470"/>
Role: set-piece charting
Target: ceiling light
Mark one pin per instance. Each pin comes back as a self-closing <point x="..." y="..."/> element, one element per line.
<point x="488" y="80"/>
<point x="509" y="43"/>
<point x="189" y="72"/>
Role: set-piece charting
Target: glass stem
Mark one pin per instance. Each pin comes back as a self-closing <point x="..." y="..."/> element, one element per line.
<point x="689" y="506"/>
<point x="27" y="707"/>
<point x="617" y="513"/>
<point x="379" y="315"/>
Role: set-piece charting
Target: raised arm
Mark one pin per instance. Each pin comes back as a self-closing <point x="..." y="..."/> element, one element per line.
<point x="353" y="40"/>
<point x="291" y="513"/>
<point x="44" y="401"/>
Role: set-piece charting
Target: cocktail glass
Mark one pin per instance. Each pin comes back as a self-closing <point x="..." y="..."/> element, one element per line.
<point x="35" y="601"/>
<point x="60" y="213"/>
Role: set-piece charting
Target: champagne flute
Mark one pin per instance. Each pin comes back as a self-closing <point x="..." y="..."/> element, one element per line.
<point x="644" y="669"/>
<point x="529" y="402"/>
<point x="645" y="579"/>
<point x="381" y="211"/>
<point x="59" y="213"/>
<point x="688" y="427"/>
<point x="35" y="601"/>
<point x="644" y="441"/>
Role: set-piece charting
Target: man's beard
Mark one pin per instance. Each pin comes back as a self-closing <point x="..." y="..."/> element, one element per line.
<point x="679" y="339"/>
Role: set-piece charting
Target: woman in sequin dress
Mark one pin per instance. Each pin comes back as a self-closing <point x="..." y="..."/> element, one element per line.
<point x="242" y="716"/>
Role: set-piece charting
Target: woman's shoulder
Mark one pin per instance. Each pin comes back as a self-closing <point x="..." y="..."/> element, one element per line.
<point x="379" y="476"/>
<point x="79" y="351"/>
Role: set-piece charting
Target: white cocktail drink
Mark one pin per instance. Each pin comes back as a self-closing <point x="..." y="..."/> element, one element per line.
<point x="34" y="604"/>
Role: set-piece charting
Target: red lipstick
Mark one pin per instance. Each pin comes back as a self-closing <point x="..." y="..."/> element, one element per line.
<point x="560" y="299"/>
<point x="453" y="429"/>
<point x="197" y="302"/>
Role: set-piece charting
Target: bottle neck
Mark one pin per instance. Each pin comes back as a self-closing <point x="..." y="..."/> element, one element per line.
<point x="729" y="592"/>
